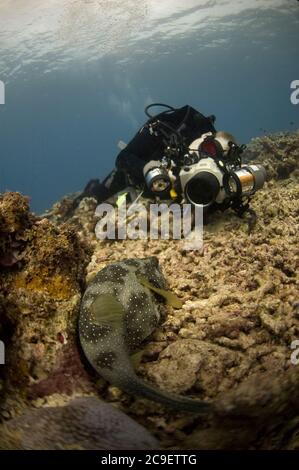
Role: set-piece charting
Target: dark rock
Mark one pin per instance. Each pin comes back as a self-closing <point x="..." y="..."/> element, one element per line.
<point x="83" y="424"/>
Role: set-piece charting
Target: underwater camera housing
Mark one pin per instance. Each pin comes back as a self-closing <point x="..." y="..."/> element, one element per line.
<point x="204" y="183"/>
<point x="207" y="173"/>
<point x="217" y="177"/>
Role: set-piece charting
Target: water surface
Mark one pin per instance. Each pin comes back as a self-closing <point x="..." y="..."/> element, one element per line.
<point x="78" y="74"/>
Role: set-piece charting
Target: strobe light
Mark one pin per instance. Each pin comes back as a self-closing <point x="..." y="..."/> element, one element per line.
<point x="156" y="177"/>
<point x="245" y="180"/>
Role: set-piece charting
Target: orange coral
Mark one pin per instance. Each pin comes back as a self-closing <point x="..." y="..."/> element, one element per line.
<point x="56" y="285"/>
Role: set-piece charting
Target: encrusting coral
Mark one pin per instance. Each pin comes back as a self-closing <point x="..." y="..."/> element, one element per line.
<point x="230" y="342"/>
<point x="40" y="293"/>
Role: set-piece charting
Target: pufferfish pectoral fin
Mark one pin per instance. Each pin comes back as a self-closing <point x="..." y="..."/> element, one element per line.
<point x="107" y="309"/>
<point x="169" y="296"/>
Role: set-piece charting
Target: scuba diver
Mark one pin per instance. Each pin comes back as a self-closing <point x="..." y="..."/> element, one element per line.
<point x="164" y="132"/>
<point x="178" y="155"/>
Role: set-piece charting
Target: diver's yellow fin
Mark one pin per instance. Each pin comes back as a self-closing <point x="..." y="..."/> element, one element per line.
<point x="169" y="296"/>
<point x="122" y="198"/>
<point x="107" y="309"/>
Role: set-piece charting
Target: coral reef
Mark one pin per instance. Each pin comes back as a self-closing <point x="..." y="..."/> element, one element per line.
<point x="14" y="219"/>
<point x="279" y="153"/>
<point x="39" y="297"/>
<point x="230" y="342"/>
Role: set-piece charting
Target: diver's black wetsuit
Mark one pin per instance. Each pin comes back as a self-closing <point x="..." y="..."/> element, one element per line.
<point x="146" y="146"/>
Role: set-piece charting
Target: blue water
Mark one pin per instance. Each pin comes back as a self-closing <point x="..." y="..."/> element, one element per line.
<point x="78" y="74"/>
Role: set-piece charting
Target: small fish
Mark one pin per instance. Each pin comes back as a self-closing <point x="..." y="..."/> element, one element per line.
<point x="119" y="311"/>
